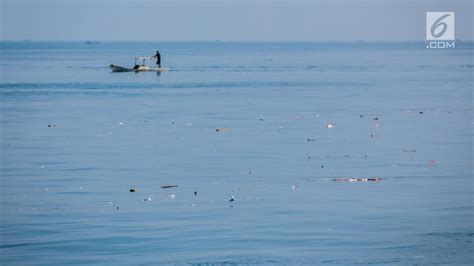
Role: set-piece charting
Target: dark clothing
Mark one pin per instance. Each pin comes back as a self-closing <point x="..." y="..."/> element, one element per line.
<point x="158" y="59"/>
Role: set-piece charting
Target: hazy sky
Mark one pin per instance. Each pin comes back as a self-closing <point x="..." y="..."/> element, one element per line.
<point x="261" y="20"/>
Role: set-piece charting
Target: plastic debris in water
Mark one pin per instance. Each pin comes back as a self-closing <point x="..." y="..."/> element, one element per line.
<point x="169" y="186"/>
<point x="293" y="187"/>
<point x="232" y="198"/>
<point x="330" y="125"/>
<point x="132" y="190"/>
<point x="373" y="179"/>
<point x="172" y="196"/>
<point x="222" y="129"/>
<point x="147" y="199"/>
<point x="120" y="123"/>
<point x="195" y="193"/>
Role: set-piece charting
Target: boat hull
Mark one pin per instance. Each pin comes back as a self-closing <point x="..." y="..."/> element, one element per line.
<point x="116" y="68"/>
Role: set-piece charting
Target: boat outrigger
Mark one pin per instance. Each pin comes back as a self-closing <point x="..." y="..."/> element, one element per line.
<point x="138" y="67"/>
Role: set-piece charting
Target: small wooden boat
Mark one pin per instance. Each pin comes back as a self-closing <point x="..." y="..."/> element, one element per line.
<point x="140" y="66"/>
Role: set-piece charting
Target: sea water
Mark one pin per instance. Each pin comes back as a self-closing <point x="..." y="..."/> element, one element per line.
<point x="243" y="120"/>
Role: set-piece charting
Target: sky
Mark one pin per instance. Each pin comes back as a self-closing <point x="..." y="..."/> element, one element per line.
<point x="227" y="20"/>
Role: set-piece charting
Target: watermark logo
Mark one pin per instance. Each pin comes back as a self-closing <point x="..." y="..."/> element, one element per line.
<point x="440" y="29"/>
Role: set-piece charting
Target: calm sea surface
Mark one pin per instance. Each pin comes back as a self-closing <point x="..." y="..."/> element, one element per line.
<point x="248" y="120"/>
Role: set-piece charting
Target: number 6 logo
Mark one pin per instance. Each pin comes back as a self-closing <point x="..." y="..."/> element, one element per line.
<point x="440" y="25"/>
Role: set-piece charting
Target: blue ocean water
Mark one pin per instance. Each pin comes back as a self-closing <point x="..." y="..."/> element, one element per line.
<point x="241" y="119"/>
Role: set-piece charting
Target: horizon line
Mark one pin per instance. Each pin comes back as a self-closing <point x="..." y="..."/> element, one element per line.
<point x="96" y="40"/>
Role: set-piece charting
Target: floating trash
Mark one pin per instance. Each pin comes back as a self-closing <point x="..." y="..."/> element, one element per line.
<point x="169" y="186"/>
<point x="373" y="179"/>
<point x="132" y="190"/>
<point x="172" y="196"/>
<point x="330" y="125"/>
<point x="232" y="198"/>
<point x="120" y="123"/>
<point x="222" y="129"/>
<point x="195" y="193"/>
<point x="147" y="199"/>
<point x="308" y="140"/>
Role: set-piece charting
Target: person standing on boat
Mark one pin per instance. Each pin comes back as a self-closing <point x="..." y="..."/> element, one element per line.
<point x="158" y="58"/>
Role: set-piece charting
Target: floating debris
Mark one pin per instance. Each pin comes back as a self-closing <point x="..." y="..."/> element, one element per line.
<point x="308" y="140"/>
<point x="261" y="119"/>
<point x="120" y="123"/>
<point x="421" y="113"/>
<point x="376" y="118"/>
<point x="172" y="196"/>
<point x="361" y="115"/>
<point x="195" y="193"/>
<point x="147" y="199"/>
<point x="374" y="179"/>
<point x="294" y="187"/>
<point x="132" y="190"/>
<point x="232" y="199"/>
<point x="222" y="129"/>
<point x="169" y="186"/>
<point x="330" y="125"/>
<point x="409" y="150"/>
